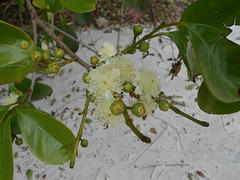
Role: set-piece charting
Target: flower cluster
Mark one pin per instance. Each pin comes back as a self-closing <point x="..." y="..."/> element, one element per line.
<point x="11" y="99"/>
<point x="113" y="76"/>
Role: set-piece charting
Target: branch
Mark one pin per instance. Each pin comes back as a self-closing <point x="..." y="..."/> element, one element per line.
<point x="71" y="37"/>
<point x="41" y="23"/>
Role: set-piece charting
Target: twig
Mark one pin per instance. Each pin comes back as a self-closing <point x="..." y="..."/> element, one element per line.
<point x="41" y="23"/>
<point x="31" y="87"/>
<point x="71" y="37"/>
<point x="120" y="27"/>
<point x="20" y="16"/>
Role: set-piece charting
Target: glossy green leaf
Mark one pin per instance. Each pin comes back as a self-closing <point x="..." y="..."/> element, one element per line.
<point x="40" y="90"/>
<point x="55" y="5"/>
<point x="79" y="5"/>
<point x="44" y="135"/>
<point x="211" y="105"/>
<point x="73" y="45"/>
<point x="3" y="113"/>
<point x="218" y="60"/>
<point x="40" y="3"/>
<point x="215" y="13"/>
<point x="20" y="5"/>
<point x="15" y="62"/>
<point x="83" y="18"/>
<point x="6" y="156"/>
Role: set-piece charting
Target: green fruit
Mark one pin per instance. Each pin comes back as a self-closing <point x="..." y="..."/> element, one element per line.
<point x="117" y="107"/>
<point x="86" y="78"/>
<point x="128" y="87"/>
<point x="132" y="51"/>
<point x="19" y="141"/>
<point x="137" y="30"/>
<point x="84" y="143"/>
<point x="59" y="53"/>
<point x="138" y="109"/>
<point x="94" y="60"/>
<point x="29" y="174"/>
<point x="53" y="67"/>
<point x="63" y="151"/>
<point x="163" y="105"/>
<point x="37" y="56"/>
<point x="24" y="44"/>
<point x="143" y="46"/>
<point x="46" y="55"/>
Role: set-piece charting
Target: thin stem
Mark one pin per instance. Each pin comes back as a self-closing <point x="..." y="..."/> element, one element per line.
<point x="41" y="23"/>
<point x="177" y="111"/>
<point x="71" y="37"/>
<point x="120" y="27"/>
<point x="79" y="135"/>
<point x="67" y="61"/>
<point x="128" y="121"/>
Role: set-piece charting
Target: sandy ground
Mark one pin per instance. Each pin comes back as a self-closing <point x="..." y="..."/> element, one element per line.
<point x="179" y="146"/>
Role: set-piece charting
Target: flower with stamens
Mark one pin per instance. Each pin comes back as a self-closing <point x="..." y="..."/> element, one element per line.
<point x="107" y="50"/>
<point x="11" y="99"/>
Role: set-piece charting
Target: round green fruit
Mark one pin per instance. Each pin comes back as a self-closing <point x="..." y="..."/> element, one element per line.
<point x="163" y="105"/>
<point x="59" y="53"/>
<point x="24" y="44"/>
<point x="53" y="67"/>
<point x="86" y="78"/>
<point x="46" y="55"/>
<point x="84" y="143"/>
<point x="132" y="51"/>
<point x="117" y="107"/>
<point x="137" y="30"/>
<point x="37" y="56"/>
<point x="138" y="109"/>
<point x="143" y="46"/>
<point x="127" y="87"/>
<point x="19" y="141"/>
<point x="94" y="60"/>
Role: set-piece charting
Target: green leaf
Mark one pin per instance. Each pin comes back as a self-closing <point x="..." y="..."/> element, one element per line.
<point x="3" y="113"/>
<point x="218" y="60"/>
<point x="6" y="156"/>
<point x="73" y="45"/>
<point x="15" y="62"/>
<point x="79" y="5"/>
<point x="31" y="36"/>
<point x="211" y="105"/>
<point x="40" y="3"/>
<point x="20" y="5"/>
<point x="55" y="5"/>
<point x="83" y="18"/>
<point x="40" y="90"/>
<point x="215" y="13"/>
<point x="45" y="135"/>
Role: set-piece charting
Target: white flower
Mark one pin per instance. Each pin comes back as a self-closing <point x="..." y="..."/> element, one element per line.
<point x="148" y="85"/>
<point x="12" y="98"/>
<point x="107" y="50"/>
<point x="149" y="106"/>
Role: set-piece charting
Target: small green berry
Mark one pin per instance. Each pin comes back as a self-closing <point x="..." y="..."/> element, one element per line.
<point x="84" y="143"/>
<point x="37" y="56"/>
<point x="138" y="109"/>
<point x="137" y="30"/>
<point x="63" y="151"/>
<point x="59" y="53"/>
<point x="127" y="87"/>
<point x="94" y="60"/>
<point x="19" y="141"/>
<point x="46" y="55"/>
<point x="143" y="46"/>
<point x="163" y="105"/>
<point x="24" y="44"/>
<point x="117" y="107"/>
<point x="53" y="67"/>
<point x="29" y="174"/>
<point x="86" y="78"/>
<point x="132" y="51"/>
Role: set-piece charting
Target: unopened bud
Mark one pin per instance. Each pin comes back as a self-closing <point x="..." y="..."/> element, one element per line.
<point x="38" y="56"/>
<point x="163" y="105"/>
<point x="86" y="78"/>
<point x="128" y="87"/>
<point x="59" y="53"/>
<point x="117" y="107"/>
<point x="46" y="55"/>
<point x="143" y="46"/>
<point x="84" y="143"/>
<point x="53" y="67"/>
<point x="138" y="109"/>
<point x="137" y="30"/>
<point x="94" y="60"/>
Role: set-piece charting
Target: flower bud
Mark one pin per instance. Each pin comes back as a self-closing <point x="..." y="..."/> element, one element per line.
<point x="94" y="60"/>
<point x="132" y="51"/>
<point x="59" y="53"/>
<point x="143" y="46"/>
<point x="24" y="44"/>
<point x="63" y="151"/>
<point x="127" y="87"/>
<point x="53" y="67"/>
<point x="19" y="141"/>
<point x="163" y="105"/>
<point x="138" y="109"/>
<point x="38" y="56"/>
<point x="117" y="107"/>
<point x="137" y="30"/>
<point x="86" y="78"/>
<point x="84" y="143"/>
<point x="46" y="55"/>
